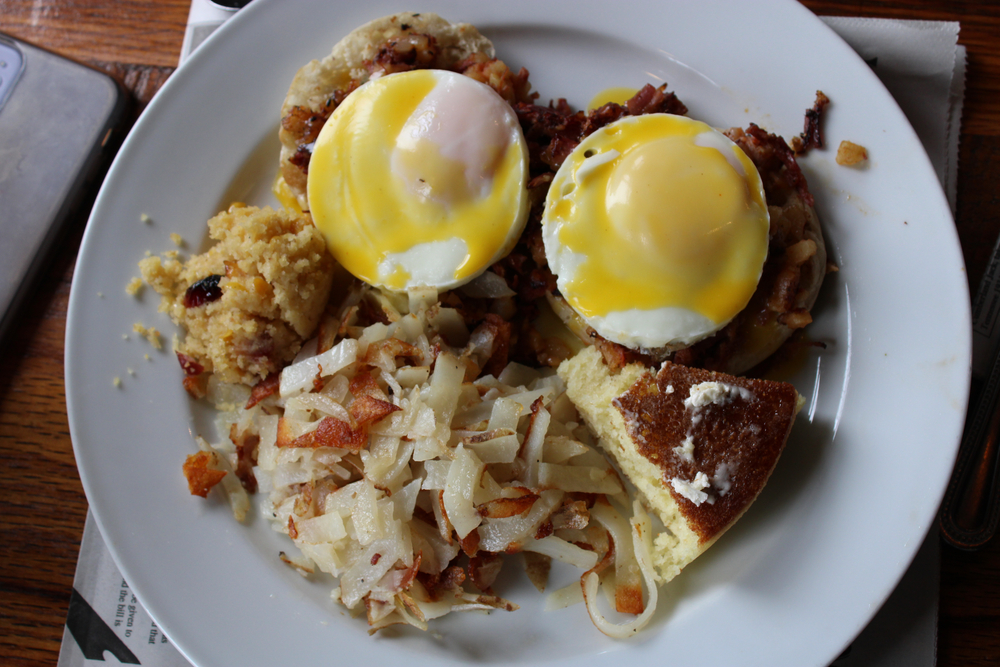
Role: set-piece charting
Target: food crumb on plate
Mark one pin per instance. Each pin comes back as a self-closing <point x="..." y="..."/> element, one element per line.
<point x="850" y="154"/>
<point x="134" y="287"/>
<point x="151" y="334"/>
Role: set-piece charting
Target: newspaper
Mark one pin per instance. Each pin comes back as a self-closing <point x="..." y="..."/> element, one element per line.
<point x="203" y="19"/>
<point x="105" y="623"/>
<point x="922" y="65"/>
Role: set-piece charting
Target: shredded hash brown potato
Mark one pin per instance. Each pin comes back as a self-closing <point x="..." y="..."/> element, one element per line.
<point x="398" y="468"/>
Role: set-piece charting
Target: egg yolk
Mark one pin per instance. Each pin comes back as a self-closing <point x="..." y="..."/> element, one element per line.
<point x="657" y="229"/>
<point x="418" y="179"/>
<point x="616" y="94"/>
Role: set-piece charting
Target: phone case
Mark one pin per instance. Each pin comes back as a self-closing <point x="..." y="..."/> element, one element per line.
<point x="56" y="118"/>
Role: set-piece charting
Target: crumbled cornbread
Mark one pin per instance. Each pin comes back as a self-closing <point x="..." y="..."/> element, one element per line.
<point x="151" y="334"/>
<point x="250" y="301"/>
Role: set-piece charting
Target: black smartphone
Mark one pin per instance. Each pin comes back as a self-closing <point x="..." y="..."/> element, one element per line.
<point x="56" y="118"/>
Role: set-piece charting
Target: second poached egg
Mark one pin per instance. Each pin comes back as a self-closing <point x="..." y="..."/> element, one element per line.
<point x="657" y="230"/>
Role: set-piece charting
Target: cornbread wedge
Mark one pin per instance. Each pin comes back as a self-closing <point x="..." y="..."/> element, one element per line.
<point x="698" y="445"/>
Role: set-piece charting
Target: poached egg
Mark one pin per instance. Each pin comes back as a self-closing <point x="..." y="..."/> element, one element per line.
<point x="418" y="179"/>
<point x="656" y="228"/>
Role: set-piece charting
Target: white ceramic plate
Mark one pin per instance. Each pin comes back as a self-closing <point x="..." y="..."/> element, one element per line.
<point x="813" y="559"/>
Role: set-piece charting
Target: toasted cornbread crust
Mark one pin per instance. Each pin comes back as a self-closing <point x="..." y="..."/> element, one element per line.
<point x="640" y="418"/>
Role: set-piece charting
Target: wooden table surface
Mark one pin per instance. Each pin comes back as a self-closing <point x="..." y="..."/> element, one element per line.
<point x="42" y="504"/>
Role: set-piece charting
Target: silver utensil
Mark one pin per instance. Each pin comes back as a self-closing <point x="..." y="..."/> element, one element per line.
<point x="970" y="511"/>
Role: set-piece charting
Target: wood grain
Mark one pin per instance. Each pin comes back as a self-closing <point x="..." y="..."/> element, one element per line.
<point x="138" y="42"/>
<point x="135" y="32"/>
